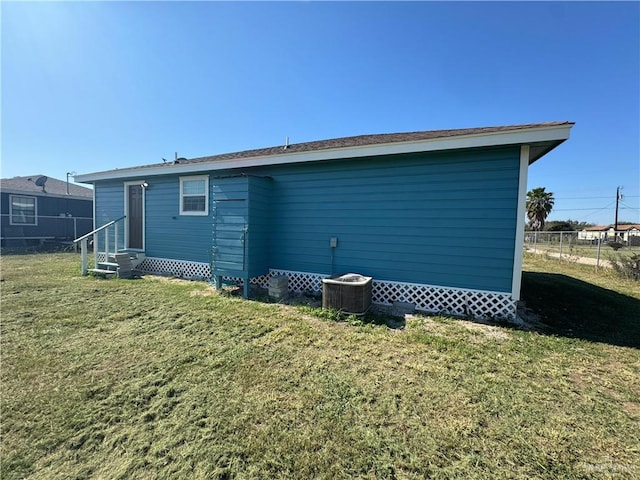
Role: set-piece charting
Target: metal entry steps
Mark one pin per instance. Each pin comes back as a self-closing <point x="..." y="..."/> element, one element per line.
<point x="120" y="264"/>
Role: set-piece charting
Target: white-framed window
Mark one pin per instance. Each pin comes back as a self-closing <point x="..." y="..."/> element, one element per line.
<point x="23" y="210"/>
<point x="194" y="195"/>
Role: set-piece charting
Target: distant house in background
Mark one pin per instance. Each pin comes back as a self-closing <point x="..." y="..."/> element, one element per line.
<point x="37" y="209"/>
<point x="594" y="233"/>
<point x="628" y="233"/>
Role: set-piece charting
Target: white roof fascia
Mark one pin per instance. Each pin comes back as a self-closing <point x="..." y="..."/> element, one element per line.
<point x="523" y="136"/>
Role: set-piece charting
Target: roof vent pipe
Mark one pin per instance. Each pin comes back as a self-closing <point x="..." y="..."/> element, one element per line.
<point x="286" y="142"/>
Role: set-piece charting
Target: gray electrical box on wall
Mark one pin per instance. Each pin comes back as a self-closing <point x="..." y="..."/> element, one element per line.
<point x="333" y="243"/>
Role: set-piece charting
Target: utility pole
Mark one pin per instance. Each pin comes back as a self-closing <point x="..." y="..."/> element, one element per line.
<point x="618" y="197"/>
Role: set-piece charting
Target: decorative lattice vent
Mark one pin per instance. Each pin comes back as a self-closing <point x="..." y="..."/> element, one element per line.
<point x="261" y="281"/>
<point x="442" y="299"/>
<point x="426" y="297"/>
<point x="178" y="268"/>
<point x="302" y="281"/>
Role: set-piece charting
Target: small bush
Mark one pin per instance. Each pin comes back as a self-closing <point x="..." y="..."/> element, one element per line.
<point x="627" y="267"/>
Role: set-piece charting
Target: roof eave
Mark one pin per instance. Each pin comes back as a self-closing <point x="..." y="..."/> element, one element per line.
<point x="31" y="193"/>
<point x="548" y="135"/>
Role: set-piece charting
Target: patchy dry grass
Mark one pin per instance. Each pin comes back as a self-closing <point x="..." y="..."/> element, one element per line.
<point x="168" y="379"/>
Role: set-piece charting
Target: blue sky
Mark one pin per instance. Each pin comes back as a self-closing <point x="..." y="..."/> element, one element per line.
<point x="94" y="86"/>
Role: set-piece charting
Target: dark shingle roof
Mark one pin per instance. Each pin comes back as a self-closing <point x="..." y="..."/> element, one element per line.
<point x="320" y="146"/>
<point x="365" y="140"/>
<point x="52" y="186"/>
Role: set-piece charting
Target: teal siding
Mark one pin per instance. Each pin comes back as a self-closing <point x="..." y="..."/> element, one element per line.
<point x="230" y="218"/>
<point x="169" y="234"/>
<point x="444" y="218"/>
<point x="240" y="220"/>
<point x="109" y="206"/>
<point x="259" y="235"/>
<point x="109" y="197"/>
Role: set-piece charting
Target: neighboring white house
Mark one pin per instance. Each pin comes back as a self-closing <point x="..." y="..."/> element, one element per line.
<point x="629" y="234"/>
<point x="594" y="233"/>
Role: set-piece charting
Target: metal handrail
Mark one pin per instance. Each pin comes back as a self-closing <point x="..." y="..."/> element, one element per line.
<point x="94" y="234"/>
<point x="106" y="225"/>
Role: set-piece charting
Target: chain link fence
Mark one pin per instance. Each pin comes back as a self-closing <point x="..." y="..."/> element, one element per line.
<point x="56" y="232"/>
<point x="592" y="248"/>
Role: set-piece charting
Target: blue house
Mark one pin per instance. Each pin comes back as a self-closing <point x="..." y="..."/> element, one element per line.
<point x="435" y="217"/>
<point x="36" y="209"/>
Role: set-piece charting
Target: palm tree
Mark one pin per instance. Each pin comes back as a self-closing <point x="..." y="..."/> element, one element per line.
<point x="539" y="205"/>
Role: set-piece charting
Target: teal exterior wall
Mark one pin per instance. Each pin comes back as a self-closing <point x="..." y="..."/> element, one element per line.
<point x="109" y="201"/>
<point x="260" y="225"/>
<point x="241" y="226"/>
<point x="169" y="234"/>
<point x="109" y="206"/>
<point x="230" y="224"/>
<point x="443" y="218"/>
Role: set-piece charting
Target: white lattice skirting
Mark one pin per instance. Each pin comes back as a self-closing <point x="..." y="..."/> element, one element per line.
<point x="429" y="298"/>
<point x="177" y="268"/>
<point x="457" y="301"/>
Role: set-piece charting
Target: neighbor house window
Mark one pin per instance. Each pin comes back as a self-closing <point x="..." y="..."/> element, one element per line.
<point x="194" y="195"/>
<point x="23" y="210"/>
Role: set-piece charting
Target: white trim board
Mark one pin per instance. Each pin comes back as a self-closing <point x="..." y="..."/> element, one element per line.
<point x="516" y="280"/>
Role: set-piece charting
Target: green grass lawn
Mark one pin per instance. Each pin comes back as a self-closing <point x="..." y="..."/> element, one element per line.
<point x="160" y="378"/>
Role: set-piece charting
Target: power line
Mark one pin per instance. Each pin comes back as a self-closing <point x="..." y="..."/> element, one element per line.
<point x="595" y="208"/>
<point x="593" y="198"/>
<point x="579" y="198"/>
<point x="627" y="207"/>
<point x="586" y="216"/>
<point x="594" y="212"/>
<point x="574" y="209"/>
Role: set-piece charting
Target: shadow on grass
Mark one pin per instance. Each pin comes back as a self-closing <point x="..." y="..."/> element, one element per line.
<point x="573" y="308"/>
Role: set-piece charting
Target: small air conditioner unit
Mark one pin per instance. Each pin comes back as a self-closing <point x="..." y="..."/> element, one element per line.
<point x="347" y="292"/>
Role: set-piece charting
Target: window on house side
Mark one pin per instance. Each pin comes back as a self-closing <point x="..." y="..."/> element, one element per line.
<point x="194" y="195"/>
<point x="23" y="210"/>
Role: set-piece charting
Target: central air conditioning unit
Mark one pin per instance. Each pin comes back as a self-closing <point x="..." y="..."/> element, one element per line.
<point x="347" y="292"/>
